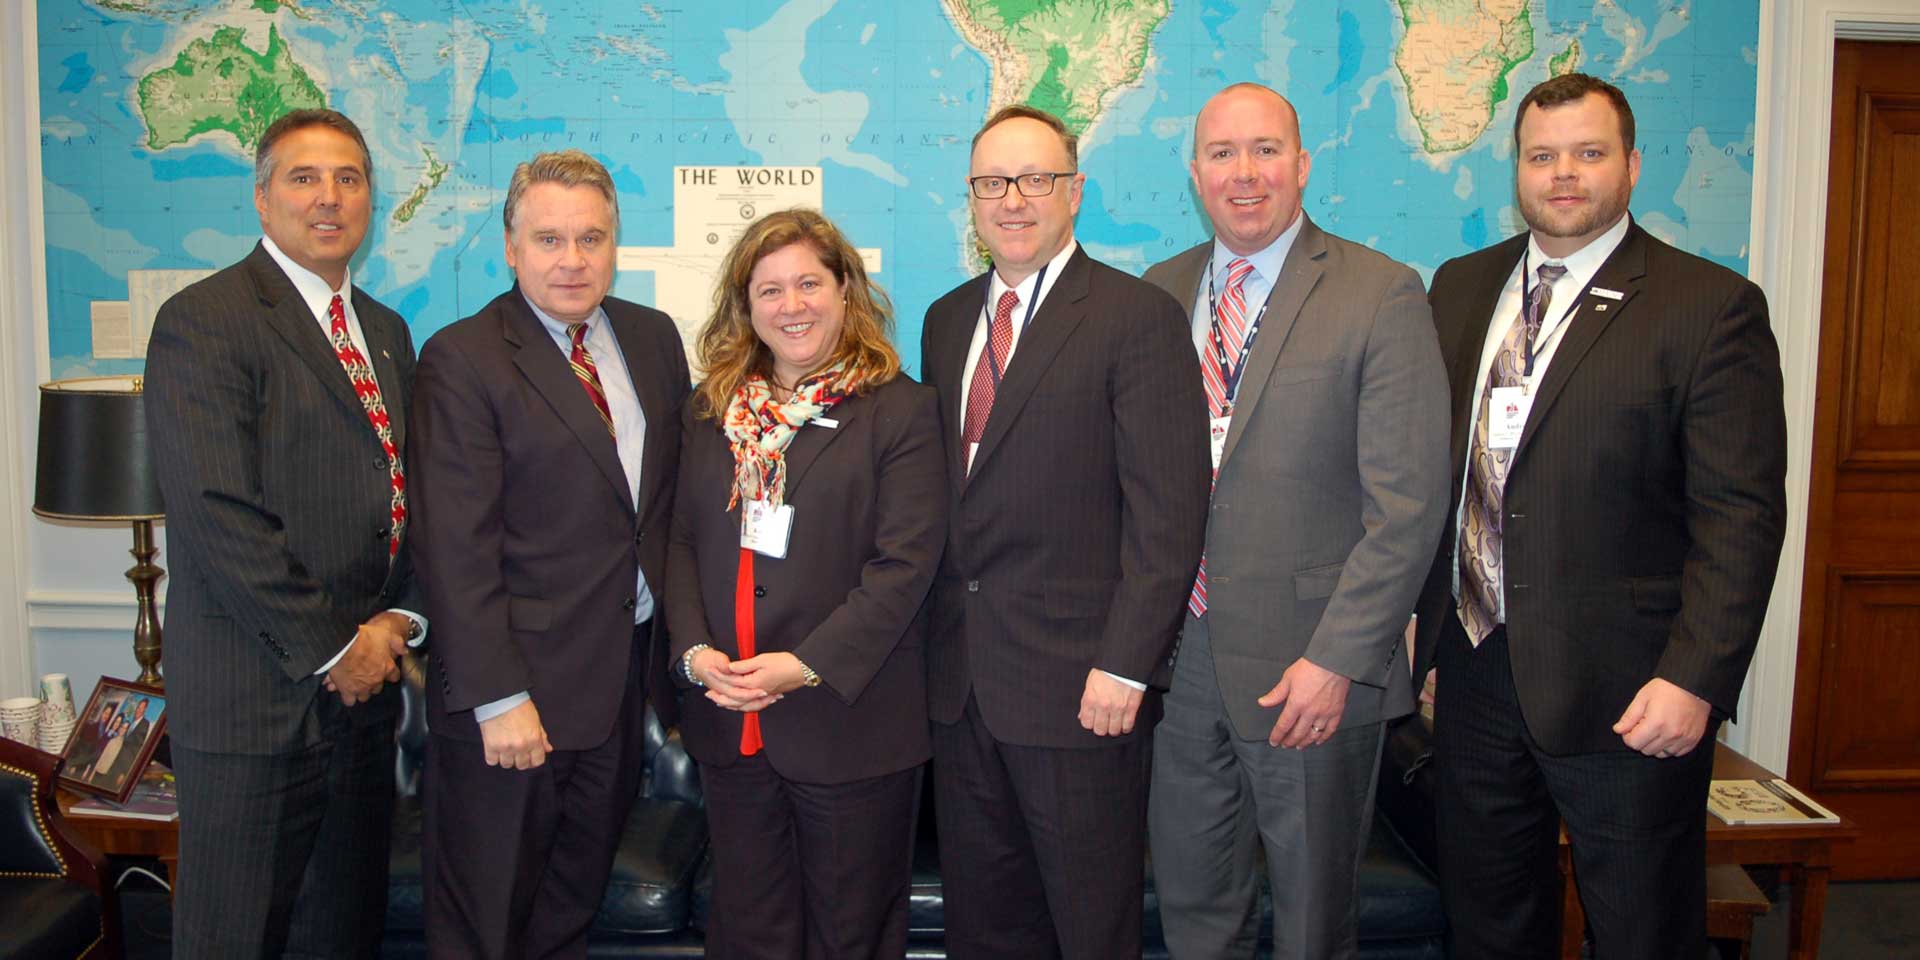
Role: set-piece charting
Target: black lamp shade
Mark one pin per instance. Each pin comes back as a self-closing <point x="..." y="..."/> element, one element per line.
<point x="95" y="463"/>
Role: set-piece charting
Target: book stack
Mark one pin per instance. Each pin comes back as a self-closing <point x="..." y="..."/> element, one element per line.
<point x="154" y="798"/>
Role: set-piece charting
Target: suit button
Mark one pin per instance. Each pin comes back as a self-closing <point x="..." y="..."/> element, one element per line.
<point x="1219" y="506"/>
<point x="381" y="533"/>
<point x="1213" y="579"/>
<point x="380" y="462"/>
<point x="630" y="604"/>
<point x="973" y="586"/>
<point x="759" y="591"/>
<point x="639" y="535"/>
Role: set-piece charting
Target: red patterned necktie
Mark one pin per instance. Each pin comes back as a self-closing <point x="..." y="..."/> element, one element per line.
<point x="368" y="389"/>
<point x="1479" y="551"/>
<point x="589" y="373"/>
<point x="1213" y="373"/>
<point x="980" y="392"/>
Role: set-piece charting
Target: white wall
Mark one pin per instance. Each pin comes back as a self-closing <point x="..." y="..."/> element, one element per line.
<point x="64" y="605"/>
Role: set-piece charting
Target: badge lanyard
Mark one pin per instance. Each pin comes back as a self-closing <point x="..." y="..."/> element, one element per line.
<point x="1217" y="340"/>
<point x="993" y="356"/>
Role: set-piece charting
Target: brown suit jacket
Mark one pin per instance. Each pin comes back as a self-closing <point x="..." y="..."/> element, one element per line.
<point x="526" y="540"/>
<point x="1074" y="543"/>
<point x="870" y="519"/>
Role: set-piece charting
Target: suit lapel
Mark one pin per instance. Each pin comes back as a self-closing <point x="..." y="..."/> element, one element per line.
<point x="1298" y="276"/>
<point x="812" y="439"/>
<point x="644" y="370"/>
<point x="382" y="340"/>
<point x="958" y="334"/>
<point x="1622" y="272"/>
<point x="289" y="317"/>
<point x="541" y="361"/>
<point x="1469" y="340"/>
<point x="1059" y="315"/>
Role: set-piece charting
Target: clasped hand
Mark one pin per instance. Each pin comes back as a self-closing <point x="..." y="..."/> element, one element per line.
<point x="749" y="685"/>
<point x="372" y="660"/>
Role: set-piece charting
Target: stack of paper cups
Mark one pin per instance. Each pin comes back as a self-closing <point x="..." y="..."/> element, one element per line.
<point x="20" y="719"/>
<point x="57" y="719"/>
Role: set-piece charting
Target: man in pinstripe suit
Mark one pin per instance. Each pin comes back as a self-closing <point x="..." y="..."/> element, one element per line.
<point x="276" y="399"/>
<point x="1619" y="462"/>
<point x="1074" y="425"/>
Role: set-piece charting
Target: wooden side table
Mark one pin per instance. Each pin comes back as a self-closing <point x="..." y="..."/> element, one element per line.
<point x="127" y="836"/>
<point x="1803" y="852"/>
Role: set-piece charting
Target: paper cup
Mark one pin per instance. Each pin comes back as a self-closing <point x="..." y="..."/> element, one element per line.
<point x="58" y="694"/>
<point x="26" y="731"/>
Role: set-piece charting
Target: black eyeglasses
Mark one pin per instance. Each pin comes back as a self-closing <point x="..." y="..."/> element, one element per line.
<point x="1029" y="184"/>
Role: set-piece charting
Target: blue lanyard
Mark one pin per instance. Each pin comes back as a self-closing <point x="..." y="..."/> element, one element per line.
<point x="993" y="356"/>
<point x="1218" y="340"/>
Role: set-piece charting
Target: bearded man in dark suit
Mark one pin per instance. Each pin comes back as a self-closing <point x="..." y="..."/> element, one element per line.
<point x="1619" y="463"/>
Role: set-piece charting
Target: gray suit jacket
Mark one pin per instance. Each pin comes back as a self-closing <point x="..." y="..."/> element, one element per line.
<point x="1332" y="489"/>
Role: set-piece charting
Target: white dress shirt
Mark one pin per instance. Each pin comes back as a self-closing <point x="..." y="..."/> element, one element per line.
<point x="1581" y="265"/>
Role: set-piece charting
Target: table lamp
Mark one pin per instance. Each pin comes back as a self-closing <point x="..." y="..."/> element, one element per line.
<point x="95" y="464"/>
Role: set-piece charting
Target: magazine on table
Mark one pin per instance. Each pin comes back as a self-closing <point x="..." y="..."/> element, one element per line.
<point x="153" y="798"/>
<point x="1738" y="802"/>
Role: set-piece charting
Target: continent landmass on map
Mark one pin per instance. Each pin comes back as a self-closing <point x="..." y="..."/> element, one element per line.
<point x="436" y="172"/>
<point x="218" y="83"/>
<point x="1454" y="58"/>
<point x="1067" y="57"/>
<point x="1566" y="61"/>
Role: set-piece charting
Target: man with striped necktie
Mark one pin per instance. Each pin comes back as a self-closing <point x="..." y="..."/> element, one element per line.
<point x="1326" y="401"/>
<point x="277" y="398"/>
<point x="546" y="438"/>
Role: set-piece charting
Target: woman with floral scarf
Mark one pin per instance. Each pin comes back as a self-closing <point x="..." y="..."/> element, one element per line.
<point x="810" y="517"/>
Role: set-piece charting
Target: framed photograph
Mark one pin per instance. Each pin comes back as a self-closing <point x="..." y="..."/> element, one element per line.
<point x="118" y="731"/>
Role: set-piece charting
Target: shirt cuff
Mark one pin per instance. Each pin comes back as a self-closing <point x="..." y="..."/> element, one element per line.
<point x="1137" y="685"/>
<point x="336" y="657"/>
<point x="416" y="618"/>
<point x="487" y="711"/>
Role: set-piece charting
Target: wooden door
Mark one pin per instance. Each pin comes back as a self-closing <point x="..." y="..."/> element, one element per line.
<point x="1856" y="705"/>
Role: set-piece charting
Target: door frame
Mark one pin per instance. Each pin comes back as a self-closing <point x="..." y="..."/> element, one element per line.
<point x="1793" y="126"/>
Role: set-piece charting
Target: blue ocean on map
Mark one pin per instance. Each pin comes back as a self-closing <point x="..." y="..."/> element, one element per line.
<point x="882" y="96"/>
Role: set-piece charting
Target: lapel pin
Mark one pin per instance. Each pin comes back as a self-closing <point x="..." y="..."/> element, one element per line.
<point x="1599" y="308"/>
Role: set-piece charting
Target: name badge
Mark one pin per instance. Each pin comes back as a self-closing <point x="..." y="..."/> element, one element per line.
<point x="828" y="422"/>
<point x="1217" y="436"/>
<point x="764" y="528"/>
<point x="1507" y="410"/>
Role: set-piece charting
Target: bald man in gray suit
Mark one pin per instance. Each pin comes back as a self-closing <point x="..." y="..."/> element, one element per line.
<point x="1327" y="407"/>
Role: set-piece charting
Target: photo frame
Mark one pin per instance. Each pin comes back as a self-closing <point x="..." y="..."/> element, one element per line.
<point x="116" y="736"/>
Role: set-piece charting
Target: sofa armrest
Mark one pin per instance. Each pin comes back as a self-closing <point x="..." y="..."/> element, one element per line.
<point x="1405" y="798"/>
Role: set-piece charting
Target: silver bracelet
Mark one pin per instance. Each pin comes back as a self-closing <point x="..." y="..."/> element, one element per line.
<point x="686" y="662"/>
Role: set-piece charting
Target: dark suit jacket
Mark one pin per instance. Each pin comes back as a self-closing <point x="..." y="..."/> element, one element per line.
<point x="1333" y="480"/>
<point x="526" y="537"/>
<point x="1646" y="502"/>
<point x="1074" y="543"/>
<point x="278" y="505"/>
<point x="870" y="520"/>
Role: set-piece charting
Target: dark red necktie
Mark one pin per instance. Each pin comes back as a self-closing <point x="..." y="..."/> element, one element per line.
<point x="980" y="392"/>
<point x="589" y="373"/>
<point x="368" y="389"/>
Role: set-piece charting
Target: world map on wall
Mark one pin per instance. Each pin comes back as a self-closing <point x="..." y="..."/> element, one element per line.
<point x="709" y="113"/>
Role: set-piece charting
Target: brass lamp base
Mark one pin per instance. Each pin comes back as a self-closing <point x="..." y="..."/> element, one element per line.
<point x="146" y="626"/>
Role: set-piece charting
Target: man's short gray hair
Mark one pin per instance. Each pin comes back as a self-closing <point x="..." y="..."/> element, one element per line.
<point x="568" y="168"/>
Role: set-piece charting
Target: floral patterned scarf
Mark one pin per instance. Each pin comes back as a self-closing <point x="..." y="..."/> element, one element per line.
<point x="759" y="428"/>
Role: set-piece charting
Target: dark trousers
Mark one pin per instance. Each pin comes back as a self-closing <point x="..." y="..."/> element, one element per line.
<point x="820" y="871"/>
<point x="285" y="855"/>
<point x="1042" y="851"/>
<point x="516" y="861"/>
<point x="1637" y="825"/>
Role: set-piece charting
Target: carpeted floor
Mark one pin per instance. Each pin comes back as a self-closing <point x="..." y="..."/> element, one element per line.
<point x="1865" y="921"/>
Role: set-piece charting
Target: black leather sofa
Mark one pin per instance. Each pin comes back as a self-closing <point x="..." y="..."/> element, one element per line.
<point x="656" y="902"/>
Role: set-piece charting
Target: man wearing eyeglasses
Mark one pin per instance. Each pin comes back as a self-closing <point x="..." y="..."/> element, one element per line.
<point x="1075" y="431"/>
<point x="1327" y="401"/>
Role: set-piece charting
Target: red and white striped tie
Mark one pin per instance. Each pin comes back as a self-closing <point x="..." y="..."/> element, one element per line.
<point x="368" y="389"/>
<point x="1213" y="372"/>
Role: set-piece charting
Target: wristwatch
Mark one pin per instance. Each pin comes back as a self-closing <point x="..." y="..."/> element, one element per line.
<point x="413" y="630"/>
